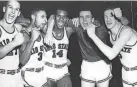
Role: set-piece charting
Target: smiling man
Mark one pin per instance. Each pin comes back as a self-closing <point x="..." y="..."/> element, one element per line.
<point x="10" y="39"/>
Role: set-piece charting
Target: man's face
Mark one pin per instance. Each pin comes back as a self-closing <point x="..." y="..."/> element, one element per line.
<point x="110" y="21"/>
<point x="12" y="11"/>
<point x="61" y="18"/>
<point x="85" y="18"/>
<point x="41" y="19"/>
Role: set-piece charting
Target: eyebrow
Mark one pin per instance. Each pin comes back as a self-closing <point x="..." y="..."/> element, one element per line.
<point x="11" y="6"/>
<point x="8" y="5"/>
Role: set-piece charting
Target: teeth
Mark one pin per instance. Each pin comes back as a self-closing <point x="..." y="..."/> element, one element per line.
<point x="11" y="16"/>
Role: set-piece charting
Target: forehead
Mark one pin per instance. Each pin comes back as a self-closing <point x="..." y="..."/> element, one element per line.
<point x="61" y="12"/>
<point x="40" y="13"/>
<point x="84" y="13"/>
<point x="14" y="3"/>
<point x="108" y="12"/>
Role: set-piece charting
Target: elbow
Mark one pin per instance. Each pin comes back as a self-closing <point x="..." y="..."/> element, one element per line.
<point x="111" y="56"/>
<point x="2" y="55"/>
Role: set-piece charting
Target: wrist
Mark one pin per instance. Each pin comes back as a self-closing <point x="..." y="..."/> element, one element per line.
<point x="92" y="36"/>
<point x="32" y="40"/>
<point x="14" y="43"/>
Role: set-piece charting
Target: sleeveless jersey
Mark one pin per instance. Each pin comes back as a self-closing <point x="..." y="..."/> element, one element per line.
<point x="57" y="53"/>
<point x="11" y="60"/>
<point x="36" y="55"/>
<point x="128" y="53"/>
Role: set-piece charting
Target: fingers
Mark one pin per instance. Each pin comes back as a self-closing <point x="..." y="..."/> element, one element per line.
<point x="48" y="40"/>
<point x="52" y="17"/>
<point x="75" y="21"/>
<point x="51" y="21"/>
<point x="118" y="12"/>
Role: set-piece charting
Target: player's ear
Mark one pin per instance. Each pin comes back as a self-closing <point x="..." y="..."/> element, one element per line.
<point x="4" y="9"/>
<point x="32" y="17"/>
<point x="92" y="20"/>
<point x="19" y="13"/>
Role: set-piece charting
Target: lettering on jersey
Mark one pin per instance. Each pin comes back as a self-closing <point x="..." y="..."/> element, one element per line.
<point x="48" y="47"/>
<point x="60" y="46"/>
<point x="53" y="48"/>
<point x="63" y="46"/>
<point x="38" y="50"/>
<point x="127" y="50"/>
<point x="7" y="41"/>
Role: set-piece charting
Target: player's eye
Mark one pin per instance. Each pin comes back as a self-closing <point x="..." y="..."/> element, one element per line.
<point x="10" y="7"/>
<point x="17" y="9"/>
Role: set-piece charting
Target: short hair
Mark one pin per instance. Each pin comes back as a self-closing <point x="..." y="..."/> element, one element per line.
<point x="86" y="10"/>
<point x="5" y="3"/>
<point x="36" y="10"/>
<point x="62" y="9"/>
<point x="111" y="6"/>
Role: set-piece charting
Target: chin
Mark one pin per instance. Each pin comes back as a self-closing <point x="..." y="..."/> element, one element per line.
<point x="109" y="27"/>
<point x="10" y="22"/>
<point x="60" y="26"/>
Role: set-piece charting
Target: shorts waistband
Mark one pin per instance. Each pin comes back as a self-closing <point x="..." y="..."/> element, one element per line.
<point x="55" y="65"/>
<point x="35" y="69"/>
<point x="11" y="72"/>
<point x="129" y="69"/>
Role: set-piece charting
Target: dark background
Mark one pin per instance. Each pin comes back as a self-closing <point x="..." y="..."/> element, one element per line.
<point x="73" y="8"/>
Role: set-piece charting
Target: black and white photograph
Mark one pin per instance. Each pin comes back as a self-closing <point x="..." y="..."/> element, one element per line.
<point x="68" y="43"/>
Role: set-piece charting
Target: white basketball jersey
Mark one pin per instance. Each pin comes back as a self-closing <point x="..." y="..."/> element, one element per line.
<point x="35" y="60"/>
<point x="11" y="60"/>
<point x="57" y="53"/>
<point x="129" y="51"/>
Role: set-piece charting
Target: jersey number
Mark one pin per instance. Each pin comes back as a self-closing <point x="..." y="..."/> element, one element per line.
<point x="60" y="53"/>
<point x="11" y="53"/>
<point x="40" y="56"/>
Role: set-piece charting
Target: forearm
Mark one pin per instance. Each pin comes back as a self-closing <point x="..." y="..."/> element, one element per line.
<point x="108" y="51"/>
<point x="25" y="55"/>
<point x="6" y="49"/>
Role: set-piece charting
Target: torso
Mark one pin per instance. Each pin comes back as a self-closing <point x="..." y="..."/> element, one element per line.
<point x="11" y="60"/>
<point x="129" y="50"/>
<point x="57" y="53"/>
<point x="87" y="46"/>
<point x="35" y="60"/>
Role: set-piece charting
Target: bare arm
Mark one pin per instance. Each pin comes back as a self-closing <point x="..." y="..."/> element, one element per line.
<point x="25" y="51"/>
<point x="48" y="30"/>
<point x="18" y="40"/>
<point x="111" y="53"/>
<point x="4" y="50"/>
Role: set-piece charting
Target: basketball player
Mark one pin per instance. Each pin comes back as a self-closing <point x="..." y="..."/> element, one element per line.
<point x="124" y="40"/>
<point x="10" y="39"/>
<point x="94" y="61"/>
<point x="32" y="51"/>
<point x="55" y="57"/>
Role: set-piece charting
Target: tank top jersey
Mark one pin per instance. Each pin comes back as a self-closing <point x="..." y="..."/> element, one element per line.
<point x="11" y="60"/>
<point x="35" y="60"/>
<point x="57" y="53"/>
<point x="128" y="54"/>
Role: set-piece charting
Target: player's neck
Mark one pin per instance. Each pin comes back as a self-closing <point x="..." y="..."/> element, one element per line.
<point x="8" y="27"/>
<point x="32" y="26"/>
<point x="116" y="28"/>
<point x="57" y="29"/>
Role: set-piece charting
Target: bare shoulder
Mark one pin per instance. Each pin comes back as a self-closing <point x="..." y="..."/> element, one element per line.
<point x="126" y="31"/>
<point x="18" y="26"/>
<point x="0" y="29"/>
<point x="0" y="32"/>
<point x="69" y="31"/>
